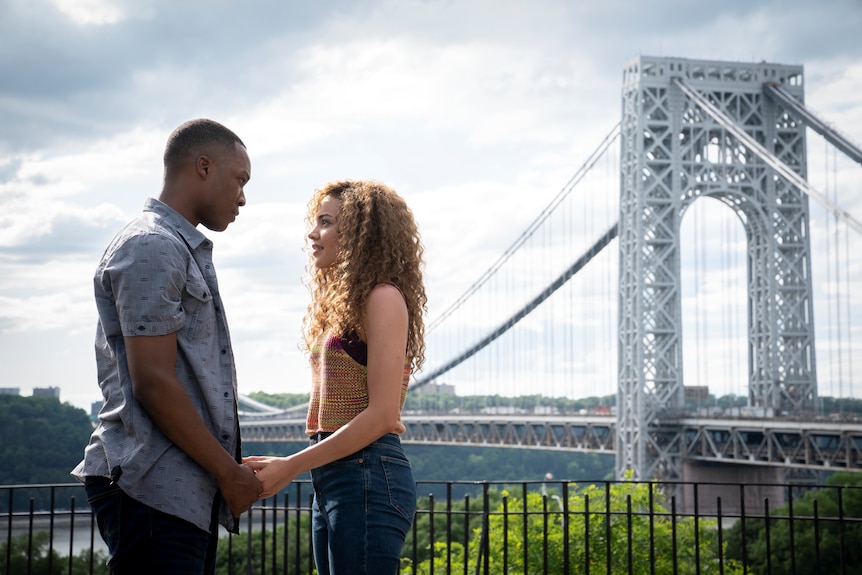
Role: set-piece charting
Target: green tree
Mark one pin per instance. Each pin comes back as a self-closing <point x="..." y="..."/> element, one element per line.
<point x="469" y="463"/>
<point x="673" y="548"/>
<point x="454" y="521"/>
<point x="288" y="550"/>
<point x="817" y="546"/>
<point x="41" y="439"/>
<point x="41" y="562"/>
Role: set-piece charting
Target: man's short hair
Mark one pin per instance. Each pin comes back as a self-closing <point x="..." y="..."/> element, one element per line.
<point x="195" y="138"/>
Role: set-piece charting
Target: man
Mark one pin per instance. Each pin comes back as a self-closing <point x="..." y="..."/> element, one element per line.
<point x="161" y="470"/>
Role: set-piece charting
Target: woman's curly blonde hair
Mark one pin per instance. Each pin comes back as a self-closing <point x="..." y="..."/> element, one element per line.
<point x="378" y="243"/>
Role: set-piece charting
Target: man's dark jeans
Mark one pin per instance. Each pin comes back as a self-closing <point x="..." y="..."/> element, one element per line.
<point x="142" y="540"/>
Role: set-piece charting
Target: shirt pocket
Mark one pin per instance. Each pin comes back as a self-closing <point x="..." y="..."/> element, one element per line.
<point x="199" y="309"/>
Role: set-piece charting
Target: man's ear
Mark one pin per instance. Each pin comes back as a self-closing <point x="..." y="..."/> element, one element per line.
<point x="202" y="166"/>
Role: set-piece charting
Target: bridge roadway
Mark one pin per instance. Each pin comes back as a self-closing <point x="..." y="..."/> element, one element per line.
<point x="819" y="444"/>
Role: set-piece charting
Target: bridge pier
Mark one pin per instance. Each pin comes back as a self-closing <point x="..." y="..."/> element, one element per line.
<point x="687" y="132"/>
<point x="736" y="484"/>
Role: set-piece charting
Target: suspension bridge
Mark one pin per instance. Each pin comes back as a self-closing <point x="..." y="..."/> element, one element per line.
<point x="691" y="217"/>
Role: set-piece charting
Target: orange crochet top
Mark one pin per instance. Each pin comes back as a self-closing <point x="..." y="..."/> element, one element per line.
<point x="339" y="384"/>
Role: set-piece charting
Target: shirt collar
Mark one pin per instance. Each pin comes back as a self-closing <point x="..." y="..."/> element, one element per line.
<point x="193" y="236"/>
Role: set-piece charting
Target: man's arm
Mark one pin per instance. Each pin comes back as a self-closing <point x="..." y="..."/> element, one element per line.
<point x="155" y="385"/>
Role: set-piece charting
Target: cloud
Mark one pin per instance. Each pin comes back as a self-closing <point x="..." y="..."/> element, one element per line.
<point x="55" y="300"/>
<point x="53" y="198"/>
<point x="90" y="12"/>
<point x="478" y="112"/>
<point x="98" y="74"/>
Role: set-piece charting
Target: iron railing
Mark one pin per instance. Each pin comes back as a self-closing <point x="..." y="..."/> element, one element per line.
<point x="552" y="527"/>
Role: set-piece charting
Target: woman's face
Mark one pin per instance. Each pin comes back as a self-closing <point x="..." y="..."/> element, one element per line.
<point x="324" y="236"/>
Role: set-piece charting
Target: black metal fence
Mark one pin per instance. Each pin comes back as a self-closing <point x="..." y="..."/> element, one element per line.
<point x="552" y="527"/>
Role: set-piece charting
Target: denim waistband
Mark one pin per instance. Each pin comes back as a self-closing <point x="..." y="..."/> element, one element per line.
<point x="389" y="438"/>
<point x="96" y="480"/>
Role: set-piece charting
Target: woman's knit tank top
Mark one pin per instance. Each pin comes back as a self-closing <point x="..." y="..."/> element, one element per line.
<point x="339" y="382"/>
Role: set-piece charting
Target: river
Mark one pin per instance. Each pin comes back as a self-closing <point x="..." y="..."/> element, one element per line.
<point x="85" y="535"/>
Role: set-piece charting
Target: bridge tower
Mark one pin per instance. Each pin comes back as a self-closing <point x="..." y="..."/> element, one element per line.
<point x="675" y="149"/>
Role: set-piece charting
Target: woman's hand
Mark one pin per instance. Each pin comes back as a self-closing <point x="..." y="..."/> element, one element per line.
<point x="274" y="473"/>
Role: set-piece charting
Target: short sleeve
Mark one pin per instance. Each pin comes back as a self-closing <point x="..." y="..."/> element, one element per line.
<point x="147" y="275"/>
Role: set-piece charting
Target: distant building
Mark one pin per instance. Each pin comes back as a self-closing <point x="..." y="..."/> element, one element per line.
<point x="444" y="388"/>
<point x="697" y="394"/>
<point x="10" y="390"/>
<point x="49" y="391"/>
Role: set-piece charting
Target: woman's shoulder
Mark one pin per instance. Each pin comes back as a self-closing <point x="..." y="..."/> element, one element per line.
<point x="386" y="309"/>
<point x="386" y="295"/>
<point x="387" y="290"/>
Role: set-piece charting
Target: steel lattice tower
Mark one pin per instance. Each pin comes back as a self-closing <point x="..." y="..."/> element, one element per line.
<point x="675" y="151"/>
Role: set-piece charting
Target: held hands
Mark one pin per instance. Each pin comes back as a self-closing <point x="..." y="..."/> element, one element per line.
<point x="274" y="473"/>
<point x="240" y="489"/>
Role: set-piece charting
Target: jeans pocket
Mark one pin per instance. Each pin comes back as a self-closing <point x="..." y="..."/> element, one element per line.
<point x="401" y="485"/>
<point x="106" y="500"/>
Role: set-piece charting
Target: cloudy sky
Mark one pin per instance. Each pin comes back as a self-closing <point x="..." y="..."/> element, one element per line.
<point x="478" y="112"/>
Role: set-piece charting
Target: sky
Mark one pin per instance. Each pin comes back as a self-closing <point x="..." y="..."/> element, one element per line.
<point x="476" y="111"/>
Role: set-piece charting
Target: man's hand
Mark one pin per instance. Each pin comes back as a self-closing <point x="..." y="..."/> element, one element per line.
<point x="240" y="489"/>
<point x="274" y="473"/>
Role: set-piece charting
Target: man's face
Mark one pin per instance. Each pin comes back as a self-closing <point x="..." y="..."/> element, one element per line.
<point x="228" y="174"/>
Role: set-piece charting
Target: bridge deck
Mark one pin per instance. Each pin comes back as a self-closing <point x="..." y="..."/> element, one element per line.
<point x="810" y="443"/>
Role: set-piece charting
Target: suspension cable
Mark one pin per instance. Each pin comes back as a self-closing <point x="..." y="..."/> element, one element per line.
<point x="830" y="262"/>
<point x="582" y="261"/>
<point x="850" y="392"/>
<point x="838" y="297"/>
<point x="531" y="229"/>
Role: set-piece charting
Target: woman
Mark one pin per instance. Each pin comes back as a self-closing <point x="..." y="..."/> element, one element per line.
<point x="364" y="334"/>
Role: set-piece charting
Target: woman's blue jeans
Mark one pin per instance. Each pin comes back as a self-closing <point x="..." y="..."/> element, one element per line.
<point x="363" y="509"/>
<point x="142" y="540"/>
